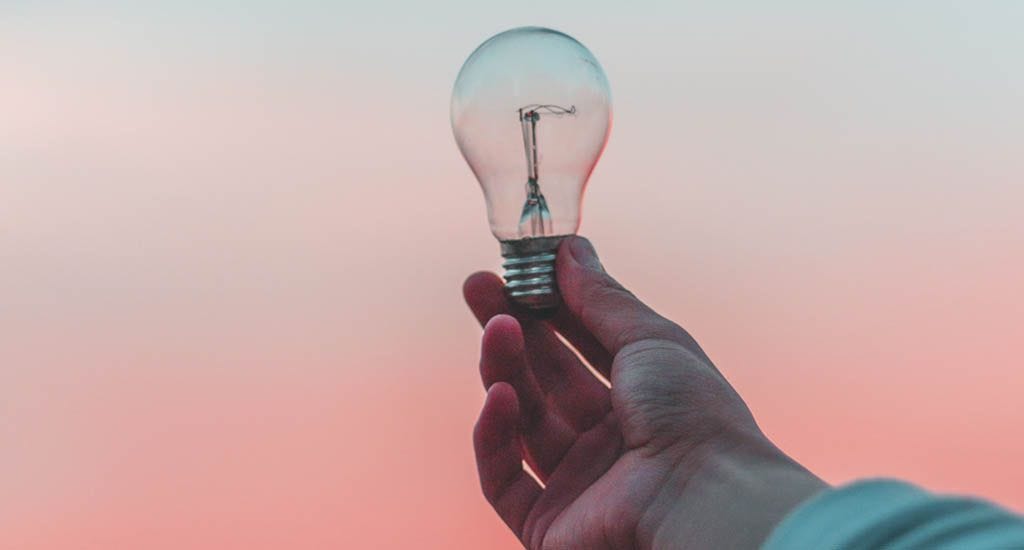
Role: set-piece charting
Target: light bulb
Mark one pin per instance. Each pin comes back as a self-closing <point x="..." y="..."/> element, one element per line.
<point x="531" y="113"/>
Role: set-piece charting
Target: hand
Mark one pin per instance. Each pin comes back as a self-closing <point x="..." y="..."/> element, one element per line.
<point x="669" y="456"/>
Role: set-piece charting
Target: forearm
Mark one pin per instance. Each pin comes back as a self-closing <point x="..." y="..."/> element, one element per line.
<point x="735" y="499"/>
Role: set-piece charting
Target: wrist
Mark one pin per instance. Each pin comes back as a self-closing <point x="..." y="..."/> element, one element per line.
<point x="731" y="496"/>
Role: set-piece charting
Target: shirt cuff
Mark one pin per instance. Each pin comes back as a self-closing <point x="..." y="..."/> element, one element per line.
<point x="891" y="514"/>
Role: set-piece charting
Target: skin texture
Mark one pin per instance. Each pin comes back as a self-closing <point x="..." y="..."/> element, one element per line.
<point x="668" y="456"/>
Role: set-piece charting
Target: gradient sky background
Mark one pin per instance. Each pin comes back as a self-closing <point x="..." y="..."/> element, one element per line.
<point x="233" y="235"/>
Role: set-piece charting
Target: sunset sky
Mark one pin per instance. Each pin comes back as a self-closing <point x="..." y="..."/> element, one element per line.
<point x="233" y="236"/>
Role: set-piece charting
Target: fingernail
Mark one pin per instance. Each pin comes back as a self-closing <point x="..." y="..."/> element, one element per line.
<point x="583" y="252"/>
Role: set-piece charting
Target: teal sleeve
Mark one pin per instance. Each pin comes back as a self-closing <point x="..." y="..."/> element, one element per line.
<point x="895" y="516"/>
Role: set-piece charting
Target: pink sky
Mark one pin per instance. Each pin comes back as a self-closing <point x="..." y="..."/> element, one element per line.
<point x="233" y="246"/>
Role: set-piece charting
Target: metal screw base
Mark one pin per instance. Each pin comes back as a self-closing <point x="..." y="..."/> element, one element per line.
<point x="530" y="272"/>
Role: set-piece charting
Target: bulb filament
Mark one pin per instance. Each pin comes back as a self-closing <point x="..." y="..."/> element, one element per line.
<point x="535" y="220"/>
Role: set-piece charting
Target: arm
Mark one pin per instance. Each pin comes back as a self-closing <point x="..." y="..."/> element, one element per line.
<point x="896" y="516"/>
<point x="668" y="456"/>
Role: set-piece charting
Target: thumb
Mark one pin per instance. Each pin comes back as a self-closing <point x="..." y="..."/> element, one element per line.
<point x="615" y="316"/>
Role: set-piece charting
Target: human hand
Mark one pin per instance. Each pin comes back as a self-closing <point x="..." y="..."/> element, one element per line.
<point x="669" y="456"/>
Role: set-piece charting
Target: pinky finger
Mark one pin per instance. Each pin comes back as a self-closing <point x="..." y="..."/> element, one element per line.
<point x="511" y="491"/>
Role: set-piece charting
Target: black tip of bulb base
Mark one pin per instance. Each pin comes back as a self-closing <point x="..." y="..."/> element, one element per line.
<point x="530" y="280"/>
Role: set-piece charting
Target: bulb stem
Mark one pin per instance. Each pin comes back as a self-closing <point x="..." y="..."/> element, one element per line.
<point x="530" y="279"/>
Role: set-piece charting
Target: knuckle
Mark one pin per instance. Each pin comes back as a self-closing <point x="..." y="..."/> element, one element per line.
<point x="652" y="350"/>
<point x="604" y="289"/>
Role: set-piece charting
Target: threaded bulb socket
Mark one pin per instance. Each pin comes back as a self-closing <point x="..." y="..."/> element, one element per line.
<point x="529" y="265"/>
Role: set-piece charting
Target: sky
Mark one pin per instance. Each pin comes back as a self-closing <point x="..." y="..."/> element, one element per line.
<point x="233" y="237"/>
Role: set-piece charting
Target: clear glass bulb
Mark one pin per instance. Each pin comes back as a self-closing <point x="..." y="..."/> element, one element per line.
<point x="531" y="113"/>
